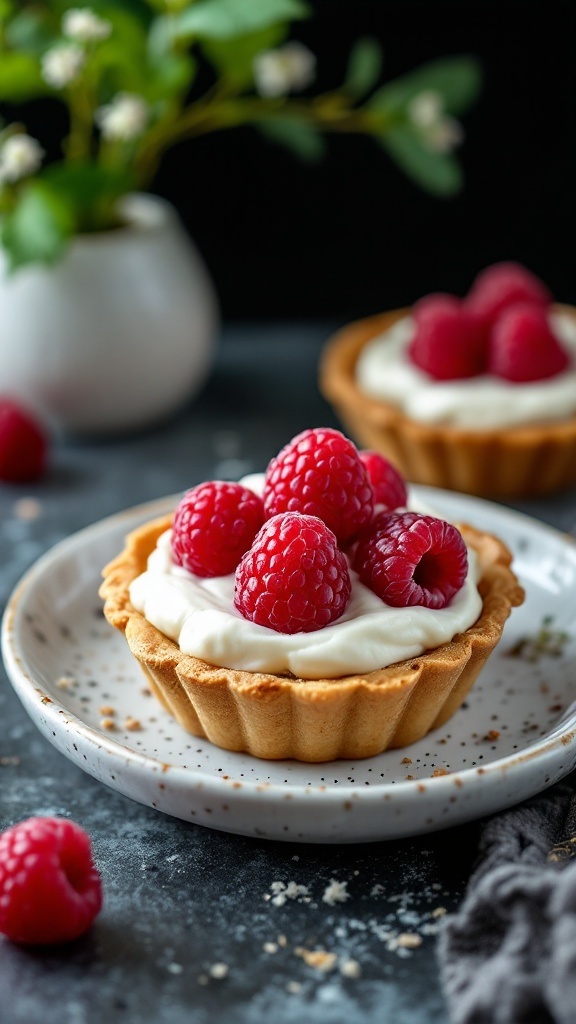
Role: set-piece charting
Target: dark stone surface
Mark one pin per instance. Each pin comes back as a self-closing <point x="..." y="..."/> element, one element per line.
<point x="180" y="898"/>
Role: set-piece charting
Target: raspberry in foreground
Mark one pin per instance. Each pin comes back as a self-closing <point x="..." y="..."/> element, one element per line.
<point x="214" y="524"/>
<point x="449" y="341"/>
<point x="412" y="559"/>
<point x="503" y="284"/>
<point x="523" y="347"/>
<point x="319" y="473"/>
<point x="23" y="444"/>
<point x="294" y="579"/>
<point x="388" y="484"/>
<point x="50" y="890"/>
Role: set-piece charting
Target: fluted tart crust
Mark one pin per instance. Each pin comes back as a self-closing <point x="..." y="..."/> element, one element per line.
<point x="280" y="716"/>
<point x="512" y="462"/>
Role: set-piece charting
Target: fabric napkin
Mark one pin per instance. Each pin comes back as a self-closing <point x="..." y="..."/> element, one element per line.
<point x="508" y="956"/>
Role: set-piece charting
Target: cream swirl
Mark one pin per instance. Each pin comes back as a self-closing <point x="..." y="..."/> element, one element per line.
<point x="480" y="403"/>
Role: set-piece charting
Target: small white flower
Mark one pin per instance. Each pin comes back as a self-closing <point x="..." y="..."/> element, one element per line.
<point x="439" y="132"/>
<point x="62" y="64"/>
<point x="290" y="68"/>
<point x="124" y="118"/>
<point x="84" y="26"/>
<point x="426" y="108"/>
<point x="20" y="156"/>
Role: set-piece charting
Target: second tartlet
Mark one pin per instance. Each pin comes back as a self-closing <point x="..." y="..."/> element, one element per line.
<point x="515" y="460"/>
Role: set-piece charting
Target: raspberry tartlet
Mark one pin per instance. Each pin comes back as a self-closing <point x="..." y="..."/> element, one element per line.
<point x="475" y="394"/>
<point x="349" y="624"/>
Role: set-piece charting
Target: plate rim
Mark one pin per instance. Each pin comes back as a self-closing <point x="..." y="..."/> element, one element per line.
<point x="28" y="688"/>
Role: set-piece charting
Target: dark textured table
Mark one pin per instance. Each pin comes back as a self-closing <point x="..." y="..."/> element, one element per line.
<point x="191" y="929"/>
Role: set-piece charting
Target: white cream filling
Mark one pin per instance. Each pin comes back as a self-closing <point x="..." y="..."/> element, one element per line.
<point x="199" y="615"/>
<point x="481" y="403"/>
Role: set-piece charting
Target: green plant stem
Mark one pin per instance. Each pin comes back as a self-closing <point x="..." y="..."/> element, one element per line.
<point x="8" y="198"/>
<point x="328" y="112"/>
<point x="78" y="145"/>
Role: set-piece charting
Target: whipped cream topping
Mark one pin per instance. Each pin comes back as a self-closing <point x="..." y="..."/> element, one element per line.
<point x="199" y="615"/>
<point x="383" y="371"/>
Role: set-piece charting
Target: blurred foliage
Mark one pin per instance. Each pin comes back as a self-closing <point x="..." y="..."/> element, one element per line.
<point x="139" y="76"/>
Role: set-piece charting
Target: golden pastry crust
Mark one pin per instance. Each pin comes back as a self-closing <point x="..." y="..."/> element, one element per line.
<point x="279" y="716"/>
<point x="516" y="462"/>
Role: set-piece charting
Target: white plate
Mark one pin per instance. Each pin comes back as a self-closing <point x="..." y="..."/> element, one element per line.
<point x="515" y="736"/>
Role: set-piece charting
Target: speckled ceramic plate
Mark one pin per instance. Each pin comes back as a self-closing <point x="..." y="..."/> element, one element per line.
<point x="515" y="736"/>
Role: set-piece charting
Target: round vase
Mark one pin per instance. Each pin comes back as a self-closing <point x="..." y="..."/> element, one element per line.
<point x="116" y="336"/>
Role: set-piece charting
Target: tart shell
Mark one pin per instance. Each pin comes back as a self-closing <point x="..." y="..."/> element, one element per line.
<point x="280" y="716"/>
<point x="515" y="462"/>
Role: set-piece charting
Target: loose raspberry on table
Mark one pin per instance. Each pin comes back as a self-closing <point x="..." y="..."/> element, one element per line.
<point x="320" y="473"/>
<point x="412" y="559"/>
<point x="449" y="341"/>
<point x="50" y="890"/>
<point x="23" y="444"/>
<point x="388" y="484"/>
<point x="501" y="285"/>
<point x="214" y="524"/>
<point x="294" y="579"/>
<point x="524" y="348"/>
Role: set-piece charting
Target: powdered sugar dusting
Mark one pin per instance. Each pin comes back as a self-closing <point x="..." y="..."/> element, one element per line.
<point x="335" y="892"/>
<point x="283" y="892"/>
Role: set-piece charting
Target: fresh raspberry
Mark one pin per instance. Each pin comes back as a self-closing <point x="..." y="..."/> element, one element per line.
<point x="388" y="484"/>
<point x="410" y="559"/>
<point x="523" y="347"/>
<point x="502" y="285"/>
<point x="449" y="342"/>
<point x="294" y="579"/>
<point x="214" y="524"/>
<point x="23" y="444"/>
<point x="50" y="890"/>
<point x="320" y="473"/>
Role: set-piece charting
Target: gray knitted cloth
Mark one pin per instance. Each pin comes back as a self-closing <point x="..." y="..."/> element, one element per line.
<point x="509" y="954"/>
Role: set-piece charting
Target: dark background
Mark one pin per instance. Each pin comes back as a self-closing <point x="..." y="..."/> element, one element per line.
<point x="352" y="235"/>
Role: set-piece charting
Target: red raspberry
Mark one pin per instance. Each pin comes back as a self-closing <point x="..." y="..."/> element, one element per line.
<point x="523" y="347"/>
<point x="410" y="559"/>
<point x="294" y="579"/>
<point x="388" y="484"/>
<point x="502" y="285"/>
<point x="23" y="444"/>
<point x="214" y="524"/>
<point x="50" y="890"/>
<point x="319" y="473"/>
<point x="449" y="342"/>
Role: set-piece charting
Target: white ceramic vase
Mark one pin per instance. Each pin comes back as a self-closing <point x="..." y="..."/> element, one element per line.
<point x="117" y="335"/>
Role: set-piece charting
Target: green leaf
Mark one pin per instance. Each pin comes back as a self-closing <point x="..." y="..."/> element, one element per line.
<point x="364" y="67"/>
<point x="163" y="5"/>
<point x="90" y="191"/>
<point x="234" y="58"/>
<point x="20" y="77"/>
<point x="38" y="228"/>
<point x="303" y="139"/>
<point x="138" y="9"/>
<point x="457" y="79"/>
<point x="161" y="37"/>
<point x="225" y="19"/>
<point x="132" y="60"/>
<point x="121" y="61"/>
<point x="168" y="76"/>
<point x="437" y="173"/>
<point x="31" y="30"/>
